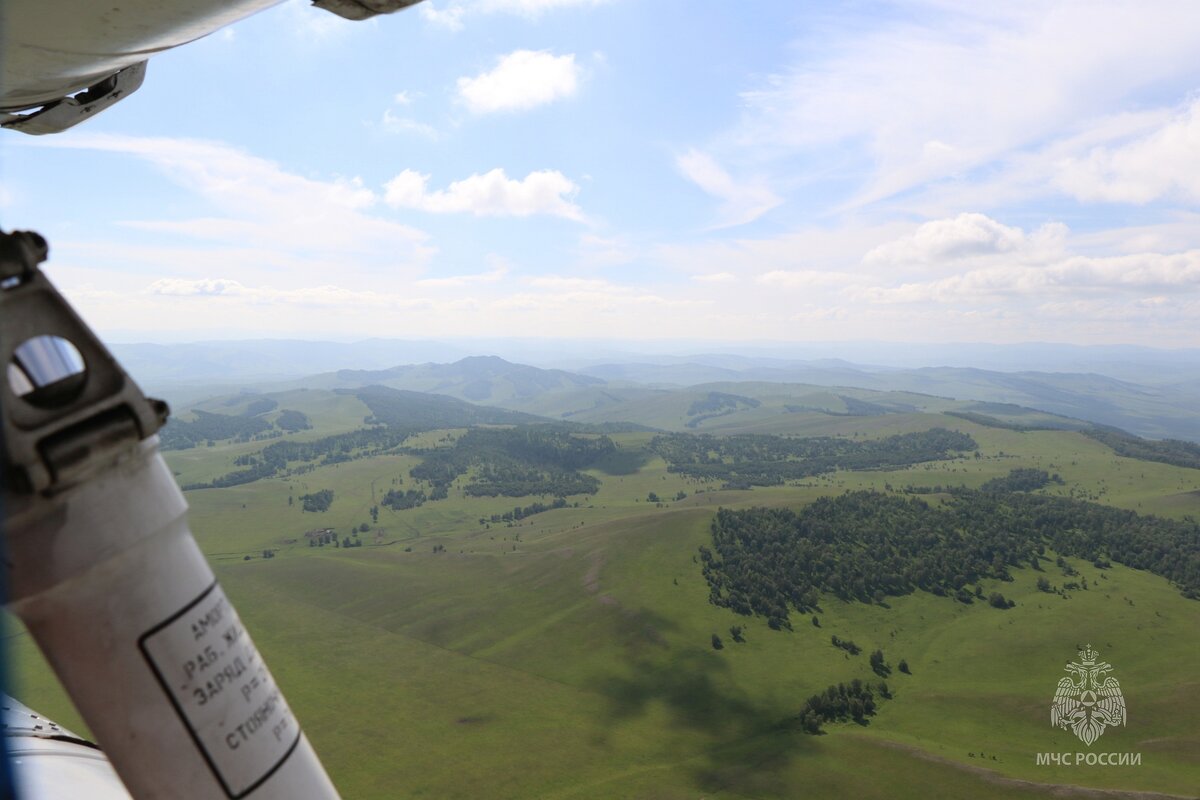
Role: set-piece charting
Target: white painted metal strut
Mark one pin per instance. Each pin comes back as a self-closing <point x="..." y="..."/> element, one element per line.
<point x="106" y="576"/>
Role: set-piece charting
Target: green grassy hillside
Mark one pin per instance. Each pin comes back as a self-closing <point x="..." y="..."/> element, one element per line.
<point x="570" y="655"/>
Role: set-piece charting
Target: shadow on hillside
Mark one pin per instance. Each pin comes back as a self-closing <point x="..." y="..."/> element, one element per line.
<point x="742" y="745"/>
<point x="622" y="462"/>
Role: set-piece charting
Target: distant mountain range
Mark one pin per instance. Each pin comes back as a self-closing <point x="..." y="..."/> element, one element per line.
<point x="658" y="393"/>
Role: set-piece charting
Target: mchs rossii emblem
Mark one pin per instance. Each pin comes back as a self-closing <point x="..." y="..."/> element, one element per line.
<point x="1090" y="701"/>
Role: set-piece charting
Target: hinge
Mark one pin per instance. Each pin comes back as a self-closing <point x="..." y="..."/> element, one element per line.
<point x="66" y="405"/>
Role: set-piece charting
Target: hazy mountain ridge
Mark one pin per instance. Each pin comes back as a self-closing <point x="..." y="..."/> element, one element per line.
<point x="477" y="379"/>
<point x="646" y="392"/>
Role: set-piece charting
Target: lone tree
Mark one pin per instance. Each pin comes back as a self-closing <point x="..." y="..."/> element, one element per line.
<point x="903" y="667"/>
<point x="717" y="643"/>
<point x="878" y="665"/>
<point x="997" y="600"/>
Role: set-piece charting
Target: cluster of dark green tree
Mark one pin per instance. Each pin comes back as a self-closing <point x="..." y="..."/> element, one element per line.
<point x="275" y="459"/>
<point x="260" y="405"/>
<point x="317" y="501"/>
<point x="1022" y="479"/>
<point x="515" y="462"/>
<point x="330" y="538"/>
<point x="291" y="420"/>
<point x="759" y="460"/>
<point x="861" y="408"/>
<point x="993" y="422"/>
<point x="842" y="702"/>
<point x="717" y="404"/>
<point x="208" y="427"/>
<point x="845" y="644"/>
<point x="720" y="401"/>
<point x="854" y="408"/>
<point x="401" y="501"/>
<point x="1167" y="451"/>
<point x="520" y="513"/>
<point x="867" y="546"/>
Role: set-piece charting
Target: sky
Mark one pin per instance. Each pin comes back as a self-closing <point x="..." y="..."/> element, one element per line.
<point x="642" y="169"/>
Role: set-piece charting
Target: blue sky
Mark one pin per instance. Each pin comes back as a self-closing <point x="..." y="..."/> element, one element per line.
<point x="643" y="169"/>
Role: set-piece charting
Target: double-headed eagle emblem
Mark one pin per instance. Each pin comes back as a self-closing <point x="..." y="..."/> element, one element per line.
<point x="1090" y="702"/>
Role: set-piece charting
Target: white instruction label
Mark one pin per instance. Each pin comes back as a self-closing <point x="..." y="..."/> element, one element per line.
<point x="223" y="692"/>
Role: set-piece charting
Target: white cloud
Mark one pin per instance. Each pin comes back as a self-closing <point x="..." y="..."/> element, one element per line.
<point x="943" y="89"/>
<point x="803" y="279"/>
<point x="561" y="282"/>
<point x="451" y="16"/>
<point x="570" y="301"/>
<point x="964" y="235"/>
<point x="743" y="202"/>
<point x="521" y="80"/>
<point x="491" y="194"/>
<point x="403" y="98"/>
<point x="314" y="24"/>
<point x="395" y="124"/>
<point x="500" y="268"/>
<point x="604" y="251"/>
<point x="715" y="277"/>
<point x="531" y="8"/>
<point x="1163" y="163"/>
<point x="321" y="296"/>
<point x="265" y="216"/>
<point x="968" y="236"/>
<point x="1119" y="275"/>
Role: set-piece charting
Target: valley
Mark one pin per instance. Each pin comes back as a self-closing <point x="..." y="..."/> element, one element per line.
<point x="498" y="641"/>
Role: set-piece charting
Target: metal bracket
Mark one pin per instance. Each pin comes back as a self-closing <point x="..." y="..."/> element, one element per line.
<point x="72" y="110"/>
<point x="56" y="434"/>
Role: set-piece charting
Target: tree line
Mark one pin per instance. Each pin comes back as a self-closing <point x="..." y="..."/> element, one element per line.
<point x="1166" y="451"/>
<point x="515" y="462"/>
<point x="761" y="460"/>
<point x="866" y="546"/>
<point x="276" y="459"/>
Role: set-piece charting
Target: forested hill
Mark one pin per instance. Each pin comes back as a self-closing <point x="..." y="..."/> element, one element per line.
<point x="757" y="460"/>
<point x="400" y="408"/>
<point x="866" y="546"/>
<point x="477" y="378"/>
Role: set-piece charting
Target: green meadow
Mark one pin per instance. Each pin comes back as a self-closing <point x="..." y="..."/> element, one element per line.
<point x="569" y="655"/>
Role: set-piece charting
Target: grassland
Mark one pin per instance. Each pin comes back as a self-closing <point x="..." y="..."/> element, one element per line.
<point x="569" y="655"/>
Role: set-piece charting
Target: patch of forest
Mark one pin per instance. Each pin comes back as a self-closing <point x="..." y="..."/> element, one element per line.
<point x="717" y="404"/>
<point x="528" y="459"/>
<point x="515" y="462"/>
<point x="992" y="422"/>
<point x="866" y="546"/>
<point x="1165" y="451"/>
<point x="749" y="460"/>
<point x="276" y="459"/>
<point x="254" y="408"/>
<point x="521" y="512"/>
<point x="178" y="434"/>
<point x="317" y="501"/>
<point x="1022" y="479"/>
<point x="854" y="408"/>
<point x="842" y="702"/>
<point x="291" y="421"/>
